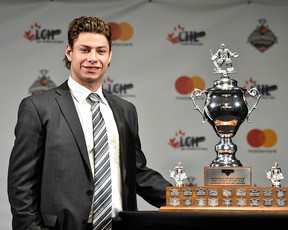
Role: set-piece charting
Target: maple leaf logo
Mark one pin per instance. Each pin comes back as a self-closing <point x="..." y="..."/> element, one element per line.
<point x="29" y="35"/>
<point x="173" y="37"/>
<point x="173" y="141"/>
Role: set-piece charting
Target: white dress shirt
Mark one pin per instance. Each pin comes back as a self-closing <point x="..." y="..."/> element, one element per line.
<point x="83" y="106"/>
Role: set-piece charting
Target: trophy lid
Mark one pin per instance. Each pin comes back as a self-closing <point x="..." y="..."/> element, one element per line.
<point x="227" y="84"/>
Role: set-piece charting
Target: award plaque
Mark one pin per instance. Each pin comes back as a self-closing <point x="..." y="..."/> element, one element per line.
<point x="227" y="183"/>
<point x="228" y="176"/>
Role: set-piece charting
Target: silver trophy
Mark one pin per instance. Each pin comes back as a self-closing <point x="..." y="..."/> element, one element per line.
<point x="225" y="107"/>
<point x="275" y="175"/>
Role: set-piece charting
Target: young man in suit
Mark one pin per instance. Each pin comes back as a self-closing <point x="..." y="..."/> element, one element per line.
<point x="50" y="176"/>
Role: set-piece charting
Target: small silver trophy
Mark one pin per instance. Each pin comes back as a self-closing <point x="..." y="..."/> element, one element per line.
<point x="225" y="107"/>
<point x="275" y="175"/>
<point x="178" y="174"/>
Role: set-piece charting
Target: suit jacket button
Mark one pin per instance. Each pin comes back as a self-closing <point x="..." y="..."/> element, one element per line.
<point x="90" y="192"/>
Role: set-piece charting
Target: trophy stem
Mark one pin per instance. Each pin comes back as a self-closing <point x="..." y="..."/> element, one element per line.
<point x="225" y="150"/>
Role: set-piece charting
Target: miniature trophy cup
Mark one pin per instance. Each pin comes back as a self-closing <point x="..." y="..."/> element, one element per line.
<point x="225" y="107"/>
<point x="275" y="175"/>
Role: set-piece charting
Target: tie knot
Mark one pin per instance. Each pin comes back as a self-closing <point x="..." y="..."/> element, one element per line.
<point x="94" y="97"/>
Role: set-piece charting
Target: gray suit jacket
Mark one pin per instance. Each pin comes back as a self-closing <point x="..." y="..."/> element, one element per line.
<point x="50" y="181"/>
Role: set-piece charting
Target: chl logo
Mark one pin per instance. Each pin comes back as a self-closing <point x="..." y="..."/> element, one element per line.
<point x="120" y="89"/>
<point x="37" y="33"/>
<point x="183" y="36"/>
<point x="180" y="140"/>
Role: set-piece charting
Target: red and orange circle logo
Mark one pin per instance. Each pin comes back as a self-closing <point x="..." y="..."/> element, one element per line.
<point x="185" y="84"/>
<point x="121" y="31"/>
<point x="265" y="138"/>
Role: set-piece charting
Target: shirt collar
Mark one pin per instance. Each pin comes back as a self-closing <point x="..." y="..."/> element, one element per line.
<point x="80" y="93"/>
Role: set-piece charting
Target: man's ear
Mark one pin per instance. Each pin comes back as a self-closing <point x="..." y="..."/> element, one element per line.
<point x="68" y="52"/>
<point x="110" y="58"/>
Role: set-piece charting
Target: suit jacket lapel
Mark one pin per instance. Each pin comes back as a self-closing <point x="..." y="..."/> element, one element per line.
<point x="65" y="101"/>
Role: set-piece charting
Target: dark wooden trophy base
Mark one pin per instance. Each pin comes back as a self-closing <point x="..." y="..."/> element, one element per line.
<point x="230" y="190"/>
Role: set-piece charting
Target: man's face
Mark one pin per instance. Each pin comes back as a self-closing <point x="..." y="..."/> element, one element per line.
<point x="89" y="59"/>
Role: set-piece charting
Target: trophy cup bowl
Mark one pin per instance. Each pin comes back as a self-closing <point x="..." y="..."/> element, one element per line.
<point x="225" y="108"/>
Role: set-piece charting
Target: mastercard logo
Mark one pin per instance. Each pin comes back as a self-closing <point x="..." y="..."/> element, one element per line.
<point x="185" y="84"/>
<point x="121" y="31"/>
<point x="265" y="138"/>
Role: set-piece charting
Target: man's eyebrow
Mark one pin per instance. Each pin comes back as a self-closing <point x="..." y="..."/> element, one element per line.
<point x="97" y="47"/>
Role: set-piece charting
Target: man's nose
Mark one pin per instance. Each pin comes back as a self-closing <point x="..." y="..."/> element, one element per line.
<point x="93" y="57"/>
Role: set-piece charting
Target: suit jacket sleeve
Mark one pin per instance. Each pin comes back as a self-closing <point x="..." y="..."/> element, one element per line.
<point x="150" y="184"/>
<point x="24" y="171"/>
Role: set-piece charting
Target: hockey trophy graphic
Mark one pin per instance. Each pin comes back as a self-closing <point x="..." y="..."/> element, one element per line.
<point x="225" y="107"/>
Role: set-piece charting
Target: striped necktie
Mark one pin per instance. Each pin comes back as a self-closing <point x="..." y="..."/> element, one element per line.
<point x="102" y="206"/>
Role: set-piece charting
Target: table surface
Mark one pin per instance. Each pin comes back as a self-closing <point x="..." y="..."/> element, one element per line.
<point x="155" y="220"/>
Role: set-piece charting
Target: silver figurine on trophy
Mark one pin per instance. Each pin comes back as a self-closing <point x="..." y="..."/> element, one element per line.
<point x="275" y="175"/>
<point x="225" y="107"/>
<point x="178" y="174"/>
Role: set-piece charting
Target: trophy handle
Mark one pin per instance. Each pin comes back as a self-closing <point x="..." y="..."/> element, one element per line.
<point x="254" y="93"/>
<point x="197" y="93"/>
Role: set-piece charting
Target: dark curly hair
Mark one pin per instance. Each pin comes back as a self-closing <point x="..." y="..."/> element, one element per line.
<point x="87" y="24"/>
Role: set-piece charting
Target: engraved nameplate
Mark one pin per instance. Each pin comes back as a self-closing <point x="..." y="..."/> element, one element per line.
<point x="238" y="176"/>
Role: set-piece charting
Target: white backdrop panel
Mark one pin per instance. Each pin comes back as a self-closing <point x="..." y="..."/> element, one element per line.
<point x="153" y="64"/>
